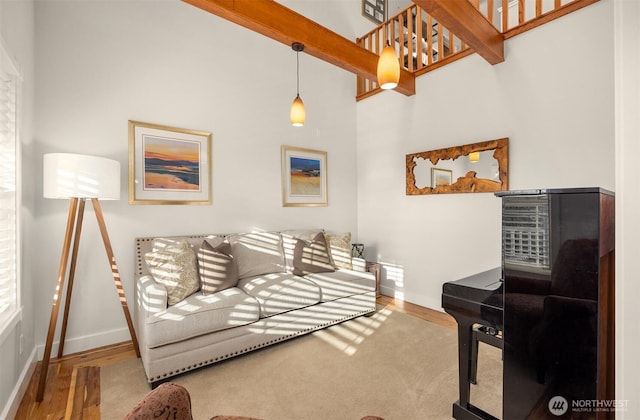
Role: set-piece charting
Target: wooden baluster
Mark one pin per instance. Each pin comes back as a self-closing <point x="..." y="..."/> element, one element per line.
<point x="429" y="40"/>
<point x="419" y="35"/>
<point x="360" y="81"/>
<point x="557" y="4"/>
<point x="401" y="38"/>
<point x="411" y="34"/>
<point x="451" y="44"/>
<point x="520" y="12"/>
<point x="490" y="11"/>
<point x="538" y="7"/>
<point x="505" y="15"/>
<point x="392" y="34"/>
<point x="373" y="47"/>
<point x="440" y="42"/>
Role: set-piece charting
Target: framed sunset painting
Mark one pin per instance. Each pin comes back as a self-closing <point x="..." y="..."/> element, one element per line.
<point x="304" y="177"/>
<point x="168" y="165"/>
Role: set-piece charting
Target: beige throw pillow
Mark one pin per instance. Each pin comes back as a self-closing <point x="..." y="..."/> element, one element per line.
<point x="217" y="268"/>
<point x="258" y="253"/>
<point x="312" y="256"/>
<point x="174" y="266"/>
<point x="340" y="247"/>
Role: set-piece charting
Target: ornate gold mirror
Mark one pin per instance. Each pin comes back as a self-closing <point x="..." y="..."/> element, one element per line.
<point x="477" y="167"/>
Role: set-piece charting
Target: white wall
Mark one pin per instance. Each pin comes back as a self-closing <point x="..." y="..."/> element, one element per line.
<point x="553" y="98"/>
<point x="101" y="63"/>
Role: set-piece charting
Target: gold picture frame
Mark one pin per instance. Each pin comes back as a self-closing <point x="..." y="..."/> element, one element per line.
<point x="440" y="177"/>
<point x="168" y="165"/>
<point x="304" y="177"/>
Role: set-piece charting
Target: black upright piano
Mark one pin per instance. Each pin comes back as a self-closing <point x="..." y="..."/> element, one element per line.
<point x="552" y="300"/>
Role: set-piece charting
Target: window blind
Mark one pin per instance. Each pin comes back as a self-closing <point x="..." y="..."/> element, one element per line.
<point x="8" y="185"/>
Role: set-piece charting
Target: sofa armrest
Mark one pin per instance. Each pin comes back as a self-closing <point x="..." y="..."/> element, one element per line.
<point x="359" y="264"/>
<point x="151" y="296"/>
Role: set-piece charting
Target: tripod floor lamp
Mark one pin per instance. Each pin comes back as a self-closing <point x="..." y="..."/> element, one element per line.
<point x="79" y="178"/>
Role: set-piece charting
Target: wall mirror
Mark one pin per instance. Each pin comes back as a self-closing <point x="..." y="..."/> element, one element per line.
<point x="476" y="167"/>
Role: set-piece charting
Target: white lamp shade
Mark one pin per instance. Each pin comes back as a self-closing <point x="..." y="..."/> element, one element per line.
<point x="68" y="175"/>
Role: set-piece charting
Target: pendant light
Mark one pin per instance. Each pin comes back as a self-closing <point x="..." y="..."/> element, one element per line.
<point x="388" y="68"/>
<point x="297" y="113"/>
<point x="474" y="157"/>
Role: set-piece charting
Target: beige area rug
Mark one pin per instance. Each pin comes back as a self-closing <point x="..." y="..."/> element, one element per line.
<point x="390" y="365"/>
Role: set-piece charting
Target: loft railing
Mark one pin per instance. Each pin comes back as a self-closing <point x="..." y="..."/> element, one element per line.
<point x="438" y="45"/>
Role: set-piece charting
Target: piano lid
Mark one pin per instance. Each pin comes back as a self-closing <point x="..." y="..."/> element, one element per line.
<point x="538" y="191"/>
<point x="478" y="288"/>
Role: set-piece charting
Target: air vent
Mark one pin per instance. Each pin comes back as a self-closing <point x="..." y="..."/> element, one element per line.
<point x="525" y="231"/>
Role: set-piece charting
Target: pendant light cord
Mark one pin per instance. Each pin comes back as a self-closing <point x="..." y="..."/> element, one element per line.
<point x="297" y="47"/>
<point x="298" y="73"/>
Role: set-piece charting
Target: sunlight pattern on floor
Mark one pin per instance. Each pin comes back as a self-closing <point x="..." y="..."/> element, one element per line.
<point x="347" y="337"/>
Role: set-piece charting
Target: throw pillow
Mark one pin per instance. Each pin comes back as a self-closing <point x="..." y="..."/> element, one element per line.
<point x="289" y="242"/>
<point x="175" y="267"/>
<point x="340" y="247"/>
<point x="217" y="268"/>
<point x="258" y="253"/>
<point x="312" y="256"/>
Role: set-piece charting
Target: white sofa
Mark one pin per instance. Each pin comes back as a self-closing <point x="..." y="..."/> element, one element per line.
<point x="265" y="302"/>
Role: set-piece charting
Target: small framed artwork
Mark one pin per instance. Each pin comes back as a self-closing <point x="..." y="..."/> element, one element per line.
<point x="440" y="177"/>
<point x="375" y="10"/>
<point x="304" y="177"/>
<point x="168" y="165"/>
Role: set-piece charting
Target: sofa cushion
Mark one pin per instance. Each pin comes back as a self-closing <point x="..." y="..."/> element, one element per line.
<point x="340" y="247"/>
<point x="280" y="292"/>
<point x="257" y="253"/>
<point x="343" y="283"/>
<point x="312" y="256"/>
<point x="201" y="314"/>
<point x="174" y="266"/>
<point x="217" y="267"/>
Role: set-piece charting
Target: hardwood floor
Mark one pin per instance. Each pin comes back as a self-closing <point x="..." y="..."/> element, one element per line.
<point x="73" y="386"/>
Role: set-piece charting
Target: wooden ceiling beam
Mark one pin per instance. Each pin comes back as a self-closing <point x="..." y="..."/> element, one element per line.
<point x="282" y="24"/>
<point x="464" y="20"/>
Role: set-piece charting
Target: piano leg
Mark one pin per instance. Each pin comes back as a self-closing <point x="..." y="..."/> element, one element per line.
<point x="473" y="373"/>
<point x="463" y="409"/>
<point x="464" y="360"/>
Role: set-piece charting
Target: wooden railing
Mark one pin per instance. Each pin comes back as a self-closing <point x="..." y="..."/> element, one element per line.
<point x="439" y="46"/>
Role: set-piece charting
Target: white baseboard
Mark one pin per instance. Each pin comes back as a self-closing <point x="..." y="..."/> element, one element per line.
<point x="11" y="409"/>
<point x="88" y="342"/>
